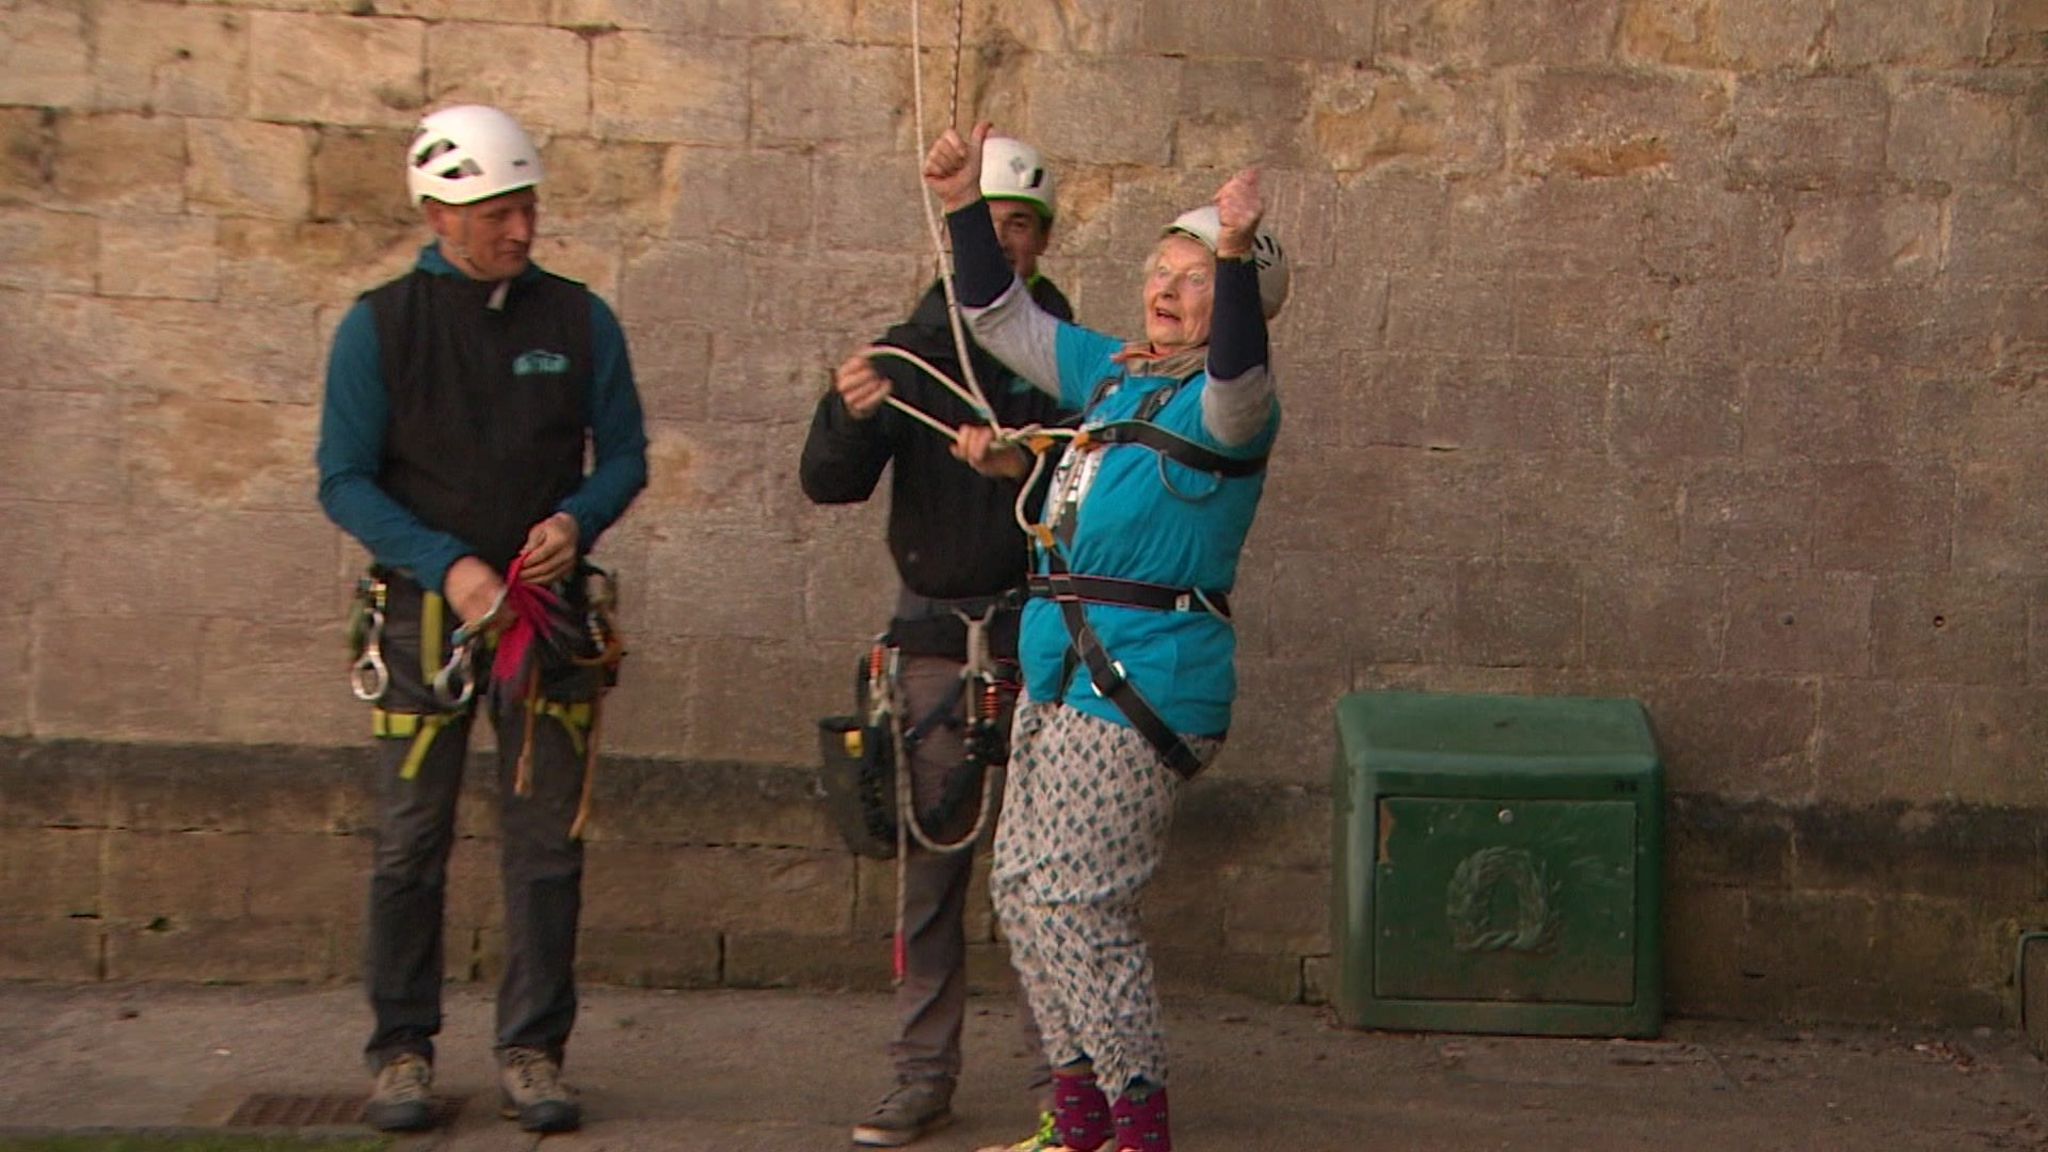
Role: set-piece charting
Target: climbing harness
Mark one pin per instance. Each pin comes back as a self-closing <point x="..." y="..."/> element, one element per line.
<point x="509" y="637"/>
<point x="369" y="677"/>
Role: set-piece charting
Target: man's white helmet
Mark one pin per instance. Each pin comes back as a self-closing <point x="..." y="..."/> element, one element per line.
<point x="467" y="153"/>
<point x="1204" y="224"/>
<point x="1013" y="170"/>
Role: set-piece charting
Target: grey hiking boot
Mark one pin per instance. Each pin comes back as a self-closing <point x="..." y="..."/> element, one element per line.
<point x="531" y="1091"/>
<point x="400" y="1100"/>
<point x="913" y="1109"/>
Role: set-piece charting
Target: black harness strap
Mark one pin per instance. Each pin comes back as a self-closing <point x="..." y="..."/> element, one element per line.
<point x="1110" y="681"/>
<point x="1178" y="449"/>
<point x="1131" y="594"/>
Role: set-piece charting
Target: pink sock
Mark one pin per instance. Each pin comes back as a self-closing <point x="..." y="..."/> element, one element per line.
<point x="1141" y="1124"/>
<point x="1080" y="1112"/>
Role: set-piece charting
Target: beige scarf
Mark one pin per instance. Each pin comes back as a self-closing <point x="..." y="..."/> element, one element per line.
<point x="1139" y="359"/>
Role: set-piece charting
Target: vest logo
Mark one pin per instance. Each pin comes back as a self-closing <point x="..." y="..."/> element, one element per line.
<point x="540" y="363"/>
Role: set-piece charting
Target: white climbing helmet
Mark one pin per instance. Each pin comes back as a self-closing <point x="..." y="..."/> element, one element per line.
<point x="1013" y="170"/>
<point x="467" y="153"/>
<point x="1205" y="225"/>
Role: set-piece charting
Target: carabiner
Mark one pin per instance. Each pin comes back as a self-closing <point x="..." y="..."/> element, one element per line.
<point x="368" y="677"/>
<point x="458" y="669"/>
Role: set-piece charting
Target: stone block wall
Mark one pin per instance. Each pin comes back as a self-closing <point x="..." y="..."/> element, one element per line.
<point x="1687" y="350"/>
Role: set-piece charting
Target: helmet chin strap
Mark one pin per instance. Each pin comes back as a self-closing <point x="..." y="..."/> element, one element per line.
<point x="458" y="246"/>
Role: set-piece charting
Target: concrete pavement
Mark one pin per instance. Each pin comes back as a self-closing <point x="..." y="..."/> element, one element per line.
<point x="791" y="1071"/>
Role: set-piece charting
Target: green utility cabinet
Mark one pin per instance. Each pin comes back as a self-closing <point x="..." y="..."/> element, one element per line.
<point x="1499" y="862"/>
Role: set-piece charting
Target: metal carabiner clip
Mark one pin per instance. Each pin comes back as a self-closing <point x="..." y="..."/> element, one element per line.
<point x="460" y="668"/>
<point x="368" y="677"/>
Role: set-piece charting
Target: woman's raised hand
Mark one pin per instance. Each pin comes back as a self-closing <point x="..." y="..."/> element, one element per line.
<point x="1238" y="209"/>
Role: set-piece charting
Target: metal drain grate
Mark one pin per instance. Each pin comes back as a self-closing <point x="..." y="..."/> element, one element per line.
<point x="279" y="1110"/>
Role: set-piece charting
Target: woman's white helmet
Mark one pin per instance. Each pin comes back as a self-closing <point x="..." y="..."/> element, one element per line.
<point x="1013" y="170"/>
<point x="467" y="153"/>
<point x="1205" y="225"/>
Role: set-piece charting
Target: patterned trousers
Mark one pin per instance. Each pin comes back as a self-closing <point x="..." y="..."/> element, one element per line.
<point x="1085" y="815"/>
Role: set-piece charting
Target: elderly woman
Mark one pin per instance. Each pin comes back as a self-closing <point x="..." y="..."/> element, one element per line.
<point x="1127" y="646"/>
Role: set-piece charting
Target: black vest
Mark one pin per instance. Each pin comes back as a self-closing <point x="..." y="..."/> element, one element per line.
<point x="489" y="408"/>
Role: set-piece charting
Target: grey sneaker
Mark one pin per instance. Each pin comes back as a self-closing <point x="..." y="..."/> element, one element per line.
<point x="531" y="1091"/>
<point x="400" y="1100"/>
<point x="913" y="1109"/>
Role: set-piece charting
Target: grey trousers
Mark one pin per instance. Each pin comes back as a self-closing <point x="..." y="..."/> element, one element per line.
<point x="540" y="866"/>
<point x="931" y="1002"/>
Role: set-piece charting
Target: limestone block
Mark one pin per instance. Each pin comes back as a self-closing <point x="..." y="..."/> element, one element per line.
<point x="27" y="151"/>
<point x="1896" y="238"/>
<point x="1641" y="617"/>
<point x="1454" y="314"/>
<point x="1668" y="412"/>
<point x="1589" y="510"/>
<point x="1396" y="611"/>
<point x="1364" y="120"/>
<point x="1808" y="132"/>
<point x="768" y="711"/>
<point x="2019" y="33"/>
<point x="1757" y="35"/>
<point x="1389" y="220"/>
<point x="172" y="60"/>
<point x="1998" y="234"/>
<point x="541" y="76"/>
<point x="1606" y="124"/>
<point x="1069" y="93"/>
<point x="717" y="585"/>
<point x="1799" y="624"/>
<point x="1951" y="327"/>
<point x="610" y="188"/>
<point x="312" y="879"/>
<point x="779" y="960"/>
<point x="1736" y="736"/>
<point x="773" y="376"/>
<point x="240" y="950"/>
<point x="1576" y="228"/>
<point x="1003" y="27"/>
<point x="113" y="677"/>
<point x="50" y="949"/>
<point x="180" y="877"/>
<point x="821" y="95"/>
<point x="1755" y="322"/>
<point x="1276" y="911"/>
<point x="61" y="446"/>
<point x="849" y="579"/>
<point x="15" y="654"/>
<point x="706" y="286"/>
<point x="1849" y="414"/>
<point x="2002" y="519"/>
<point x="1998" y="733"/>
<point x="275" y="262"/>
<point x="46" y="55"/>
<point x="244" y="352"/>
<point x="1932" y="34"/>
<point x="51" y="872"/>
<point x="1951" y="629"/>
<point x="672" y="367"/>
<point x="1744" y="515"/>
<point x="245" y="168"/>
<point x="270" y="683"/>
<point x="799" y="19"/>
<point x="1951" y="135"/>
<point x="793" y="291"/>
<point x="1279" y="726"/>
<point x="646" y="86"/>
<point x="1234" y="112"/>
<point x="126" y="564"/>
<point x="851" y="201"/>
<point x="1591" y="316"/>
<point x="1517" y="614"/>
<point x="1693" y="233"/>
<point x="649" y="802"/>
<point x="54" y="251"/>
<point x="648" y="959"/>
<point x="119" y="163"/>
<point x="1883" y="517"/>
<point x="359" y="174"/>
<point x="1307" y="29"/>
<point x="336" y="70"/>
<point x="1884" y="741"/>
<point x="447" y="11"/>
<point x="642" y="717"/>
<point x="164" y="257"/>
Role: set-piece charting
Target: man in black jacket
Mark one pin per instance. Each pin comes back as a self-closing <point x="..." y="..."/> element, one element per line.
<point x="959" y="554"/>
